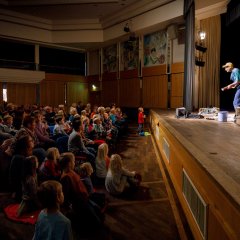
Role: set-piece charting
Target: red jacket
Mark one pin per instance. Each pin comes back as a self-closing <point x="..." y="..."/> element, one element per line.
<point x="140" y="117"/>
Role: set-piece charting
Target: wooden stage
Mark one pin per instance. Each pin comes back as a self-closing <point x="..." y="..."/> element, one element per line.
<point x="209" y="151"/>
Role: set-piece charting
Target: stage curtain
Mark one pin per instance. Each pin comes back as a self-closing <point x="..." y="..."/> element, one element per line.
<point x="189" y="66"/>
<point x="209" y="75"/>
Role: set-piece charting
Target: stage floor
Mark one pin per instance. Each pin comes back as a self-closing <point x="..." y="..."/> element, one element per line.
<point x="215" y="145"/>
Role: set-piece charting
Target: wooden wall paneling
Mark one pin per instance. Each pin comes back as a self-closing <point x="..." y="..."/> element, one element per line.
<point x="111" y="76"/>
<point x="93" y="78"/>
<point x="177" y="67"/>
<point x="52" y="93"/>
<point x="94" y="96"/>
<point x="109" y="92"/>
<point x="129" y="74"/>
<point x="154" y="71"/>
<point x="155" y="91"/>
<point x="129" y="92"/>
<point x="77" y="91"/>
<point x="22" y="93"/>
<point x="176" y="90"/>
<point x="177" y="79"/>
<point x="65" y="78"/>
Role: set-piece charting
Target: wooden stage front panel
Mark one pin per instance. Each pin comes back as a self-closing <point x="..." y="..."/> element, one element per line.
<point x="208" y="152"/>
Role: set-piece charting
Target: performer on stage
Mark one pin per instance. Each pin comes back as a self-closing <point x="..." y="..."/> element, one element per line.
<point x="235" y="77"/>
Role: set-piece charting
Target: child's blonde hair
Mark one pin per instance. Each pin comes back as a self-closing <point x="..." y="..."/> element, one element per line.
<point x="85" y="169"/>
<point x="115" y="164"/>
<point x="102" y="152"/>
<point x="53" y="154"/>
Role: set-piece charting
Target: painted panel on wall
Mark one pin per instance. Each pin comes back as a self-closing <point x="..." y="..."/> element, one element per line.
<point x="110" y="59"/>
<point x="129" y="54"/>
<point x="155" y="48"/>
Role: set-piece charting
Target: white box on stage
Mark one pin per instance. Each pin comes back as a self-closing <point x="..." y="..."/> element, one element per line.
<point x="181" y="112"/>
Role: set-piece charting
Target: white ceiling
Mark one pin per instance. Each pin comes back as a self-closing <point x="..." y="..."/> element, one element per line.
<point x="101" y="14"/>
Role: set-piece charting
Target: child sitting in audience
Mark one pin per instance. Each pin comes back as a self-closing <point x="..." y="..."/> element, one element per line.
<point x="85" y="171"/>
<point x="102" y="163"/>
<point x="29" y="186"/>
<point x="49" y="170"/>
<point x="59" y="129"/>
<point x="8" y="125"/>
<point x="51" y="223"/>
<point x="23" y="148"/>
<point x="77" y="203"/>
<point x="119" y="179"/>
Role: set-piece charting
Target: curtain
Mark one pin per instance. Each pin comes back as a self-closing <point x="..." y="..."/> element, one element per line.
<point x="189" y="63"/>
<point x="209" y="76"/>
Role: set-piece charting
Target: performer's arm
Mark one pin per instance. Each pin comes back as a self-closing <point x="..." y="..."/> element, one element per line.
<point x="232" y="85"/>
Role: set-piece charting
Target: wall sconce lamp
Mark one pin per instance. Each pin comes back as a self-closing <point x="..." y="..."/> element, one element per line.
<point x="200" y="49"/>
<point x="202" y="35"/>
<point x="94" y="87"/>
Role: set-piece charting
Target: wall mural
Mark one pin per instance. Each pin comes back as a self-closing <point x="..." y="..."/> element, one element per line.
<point x="110" y="59"/>
<point x="129" y="54"/>
<point x="155" y="46"/>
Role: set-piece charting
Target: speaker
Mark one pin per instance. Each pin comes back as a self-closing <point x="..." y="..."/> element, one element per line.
<point x="172" y="31"/>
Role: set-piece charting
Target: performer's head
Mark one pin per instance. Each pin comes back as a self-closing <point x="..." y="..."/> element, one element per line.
<point x="228" y="67"/>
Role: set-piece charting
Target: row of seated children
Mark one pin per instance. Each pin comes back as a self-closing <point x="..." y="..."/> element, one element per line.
<point x="80" y="200"/>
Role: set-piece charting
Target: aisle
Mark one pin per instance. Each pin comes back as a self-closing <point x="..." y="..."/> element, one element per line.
<point x="147" y="214"/>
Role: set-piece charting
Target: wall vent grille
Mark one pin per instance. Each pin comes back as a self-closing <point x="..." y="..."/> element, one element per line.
<point x="166" y="149"/>
<point x="196" y="204"/>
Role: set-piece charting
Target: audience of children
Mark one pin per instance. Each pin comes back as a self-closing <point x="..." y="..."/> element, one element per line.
<point x="81" y="202"/>
<point x="51" y="223"/>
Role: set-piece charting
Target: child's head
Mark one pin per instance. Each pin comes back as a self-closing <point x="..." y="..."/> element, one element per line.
<point x="140" y="109"/>
<point x="30" y="166"/>
<point x="115" y="163"/>
<point x="24" y="145"/>
<point x="67" y="161"/>
<point x="50" y="194"/>
<point x="76" y="124"/>
<point x="102" y="152"/>
<point x="97" y="120"/>
<point x="53" y="154"/>
<point x="59" y="118"/>
<point x="85" y="169"/>
<point x="8" y="119"/>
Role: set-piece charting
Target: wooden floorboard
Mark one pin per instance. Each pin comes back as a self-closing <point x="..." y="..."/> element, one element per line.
<point x="148" y="213"/>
